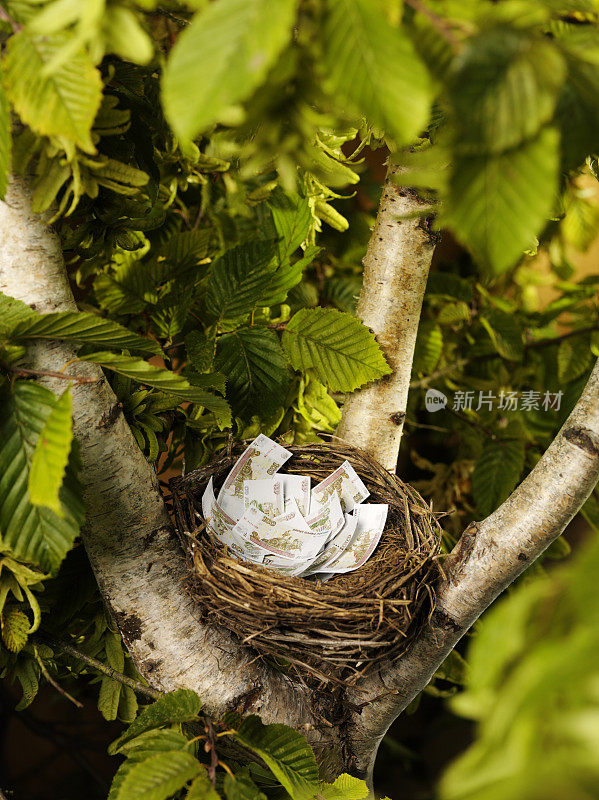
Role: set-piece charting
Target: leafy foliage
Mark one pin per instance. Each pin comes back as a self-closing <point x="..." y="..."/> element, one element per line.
<point x="35" y="534"/>
<point x="51" y="456"/>
<point x="343" y="353"/>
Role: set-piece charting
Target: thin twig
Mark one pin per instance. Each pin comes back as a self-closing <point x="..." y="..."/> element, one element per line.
<point x="4" y="15"/>
<point x="42" y="373"/>
<point x="54" y="683"/>
<point x="103" y="668"/>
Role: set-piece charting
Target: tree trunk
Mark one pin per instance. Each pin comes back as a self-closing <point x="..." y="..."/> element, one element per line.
<point x="139" y="566"/>
<point x="396" y="269"/>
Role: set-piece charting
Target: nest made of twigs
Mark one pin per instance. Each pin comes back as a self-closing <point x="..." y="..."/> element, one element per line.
<point x="325" y="632"/>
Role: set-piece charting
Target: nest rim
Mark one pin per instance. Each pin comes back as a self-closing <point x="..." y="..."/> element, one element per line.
<point x="323" y="633"/>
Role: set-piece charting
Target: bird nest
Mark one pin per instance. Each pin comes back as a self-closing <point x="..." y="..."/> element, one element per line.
<point x="330" y="632"/>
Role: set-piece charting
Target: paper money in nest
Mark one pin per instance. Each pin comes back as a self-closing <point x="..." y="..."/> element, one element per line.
<point x="266" y="517"/>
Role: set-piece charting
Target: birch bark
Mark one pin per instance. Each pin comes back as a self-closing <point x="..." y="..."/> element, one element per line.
<point x="396" y="269"/>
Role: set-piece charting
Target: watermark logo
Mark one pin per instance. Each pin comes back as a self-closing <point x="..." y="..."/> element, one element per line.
<point x="504" y="401"/>
<point x="435" y="400"/>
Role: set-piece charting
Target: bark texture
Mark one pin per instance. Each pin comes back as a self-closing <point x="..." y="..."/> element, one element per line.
<point x="396" y="269"/>
<point x="127" y="534"/>
<point x="489" y="556"/>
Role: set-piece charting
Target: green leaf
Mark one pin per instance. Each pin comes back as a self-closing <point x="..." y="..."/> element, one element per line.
<point x="159" y="777"/>
<point x="239" y="279"/>
<point x="60" y="103"/>
<point x="109" y="698"/>
<point x="496" y="473"/>
<point x="182" y="705"/>
<point x="221" y="58"/>
<point x="447" y="284"/>
<point x="285" y="277"/>
<point x="202" y="789"/>
<point x="429" y="346"/>
<point x="504" y="332"/>
<point x="573" y="358"/>
<point x="201" y="348"/>
<point x="242" y="787"/>
<point x="15" y="629"/>
<point x="373" y="66"/>
<point x="292" y="218"/>
<point x="151" y="742"/>
<point x="34" y="534"/>
<point x="5" y="140"/>
<point x="345" y="787"/>
<point x="505" y="89"/>
<point x="342" y="351"/>
<point x="13" y="311"/>
<point x="256" y="369"/>
<point x="158" y="378"/>
<point x="51" y="456"/>
<point x="26" y="671"/>
<point x="82" y="327"/>
<point x="286" y="753"/>
<point x="497" y="204"/>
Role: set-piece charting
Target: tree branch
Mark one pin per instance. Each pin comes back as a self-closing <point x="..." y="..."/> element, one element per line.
<point x="396" y="268"/>
<point x="128" y="536"/>
<point x="489" y="556"/>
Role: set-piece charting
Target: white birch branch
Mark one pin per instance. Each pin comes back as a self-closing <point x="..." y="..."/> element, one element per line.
<point x="489" y="556"/>
<point x="136" y="558"/>
<point x="396" y="268"/>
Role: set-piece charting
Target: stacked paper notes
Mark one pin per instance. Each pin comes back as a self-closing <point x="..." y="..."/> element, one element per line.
<point x="281" y="522"/>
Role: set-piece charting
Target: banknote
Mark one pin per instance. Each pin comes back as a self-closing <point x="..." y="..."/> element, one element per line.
<point x="329" y="517"/>
<point x="344" y="482"/>
<point x="370" y="521"/>
<point x="333" y="548"/>
<point x="297" y="487"/>
<point x="287" y="566"/>
<point x="293" y="517"/>
<point x="279" y="538"/>
<point x="265" y="494"/>
<point x="261" y="459"/>
<point x="217" y="521"/>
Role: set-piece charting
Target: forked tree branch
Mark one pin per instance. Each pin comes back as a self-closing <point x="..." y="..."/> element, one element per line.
<point x="489" y="556"/>
<point x="128" y="536"/>
<point x="396" y="269"/>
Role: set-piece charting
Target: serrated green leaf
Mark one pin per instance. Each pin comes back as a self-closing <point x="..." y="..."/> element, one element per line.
<point x="221" y="58"/>
<point x="202" y="789"/>
<point x="127" y="705"/>
<point x="51" y="456"/>
<point x="158" y="378"/>
<point x="182" y="705"/>
<point x="286" y="753"/>
<point x="34" y="534"/>
<point x="151" y="742"/>
<point x="373" y="66"/>
<point x="573" y="358"/>
<point x="239" y="279"/>
<point x="342" y="351"/>
<point x="159" y="777"/>
<point x="242" y="787"/>
<point x="505" y="88"/>
<point x="5" y="140"/>
<point x="292" y="219"/>
<point x="13" y="311"/>
<point x="496" y="473"/>
<point x="82" y="327"/>
<point x="62" y="103"/>
<point x="429" y="346"/>
<point x="109" y="697"/>
<point x="345" y="787"/>
<point x="26" y="672"/>
<point x="504" y="332"/>
<point x="453" y="313"/>
<point x="201" y="348"/>
<point x="497" y="204"/>
<point x="256" y="369"/>
<point x="15" y="629"/>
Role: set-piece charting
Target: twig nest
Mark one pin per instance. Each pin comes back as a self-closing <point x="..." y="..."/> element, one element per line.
<point x="331" y="632"/>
